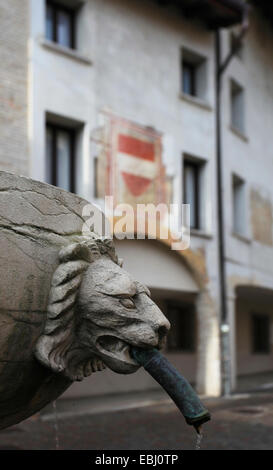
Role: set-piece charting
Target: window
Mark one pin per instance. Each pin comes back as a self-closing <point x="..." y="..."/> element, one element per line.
<point x="60" y="157"/>
<point x="60" y="24"/>
<point x="182" y="335"/>
<point x="237" y="107"/>
<point x="189" y="78"/>
<point x="194" y="74"/>
<point x="260" y="334"/>
<point x="238" y="202"/>
<point x="191" y="185"/>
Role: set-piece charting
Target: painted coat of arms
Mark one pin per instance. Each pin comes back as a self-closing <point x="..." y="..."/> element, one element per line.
<point x="131" y="161"/>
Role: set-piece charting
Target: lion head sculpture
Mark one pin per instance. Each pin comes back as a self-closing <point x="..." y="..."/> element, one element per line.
<point x="96" y="311"/>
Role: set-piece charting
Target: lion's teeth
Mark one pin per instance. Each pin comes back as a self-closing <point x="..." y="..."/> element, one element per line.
<point x="88" y="370"/>
<point x="99" y="364"/>
<point x="94" y="366"/>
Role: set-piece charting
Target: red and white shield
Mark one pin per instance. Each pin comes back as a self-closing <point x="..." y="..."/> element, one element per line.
<point x="136" y="162"/>
<point x="134" y="171"/>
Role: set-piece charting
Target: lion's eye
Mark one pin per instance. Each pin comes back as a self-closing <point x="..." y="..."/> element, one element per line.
<point x="128" y="303"/>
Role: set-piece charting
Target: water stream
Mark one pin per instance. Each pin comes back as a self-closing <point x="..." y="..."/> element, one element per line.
<point x="56" y="426"/>
<point x="199" y="438"/>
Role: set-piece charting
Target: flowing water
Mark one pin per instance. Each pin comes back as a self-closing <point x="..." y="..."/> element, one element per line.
<point x="199" y="438"/>
<point x="56" y="426"/>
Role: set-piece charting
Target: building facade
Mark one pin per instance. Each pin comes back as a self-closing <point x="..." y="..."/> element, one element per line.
<point x="91" y="86"/>
<point x="14" y="36"/>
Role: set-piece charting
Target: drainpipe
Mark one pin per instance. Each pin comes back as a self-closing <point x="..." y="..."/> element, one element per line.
<point x="225" y="328"/>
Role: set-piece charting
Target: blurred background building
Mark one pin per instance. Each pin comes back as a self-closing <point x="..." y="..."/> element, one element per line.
<point x="88" y="88"/>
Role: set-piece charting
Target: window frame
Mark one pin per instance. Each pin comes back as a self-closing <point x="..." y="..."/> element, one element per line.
<point x="55" y="128"/>
<point x="198" y="66"/>
<point x="192" y="70"/>
<point x="196" y="167"/>
<point x="237" y="121"/>
<point x="239" y="208"/>
<point x="56" y="9"/>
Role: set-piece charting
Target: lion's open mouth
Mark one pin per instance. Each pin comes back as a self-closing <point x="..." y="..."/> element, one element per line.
<point x="116" y="349"/>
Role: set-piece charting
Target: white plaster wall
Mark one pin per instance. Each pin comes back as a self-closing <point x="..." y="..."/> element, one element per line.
<point x="61" y="85"/>
<point x="250" y="157"/>
<point x="137" y="67"/>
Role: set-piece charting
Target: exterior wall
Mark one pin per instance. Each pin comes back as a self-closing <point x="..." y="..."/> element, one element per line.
<point x="128" y="62"/>
<point x="249" y="155"/>
<point x="62" y="85"/>
<point x="14" y="33"/>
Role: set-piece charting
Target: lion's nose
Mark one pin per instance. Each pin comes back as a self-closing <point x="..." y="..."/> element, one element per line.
<point x="162" y="331"/>
<point x="162" y="328"/>
<point x="162" y="334"/>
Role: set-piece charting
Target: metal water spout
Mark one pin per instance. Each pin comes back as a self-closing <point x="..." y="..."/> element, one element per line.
<point x="177" y="387"/>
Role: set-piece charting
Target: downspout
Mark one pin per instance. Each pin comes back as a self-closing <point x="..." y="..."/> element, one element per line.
<point x="224" y="328"/>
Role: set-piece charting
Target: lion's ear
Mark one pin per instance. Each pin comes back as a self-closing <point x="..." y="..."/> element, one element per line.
<point x="54" y="346"/>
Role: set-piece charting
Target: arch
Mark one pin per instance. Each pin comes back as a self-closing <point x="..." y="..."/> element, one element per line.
<point x="157" y="266"/>
<point x="253" y="316"/>
<point x="194" y="260"/>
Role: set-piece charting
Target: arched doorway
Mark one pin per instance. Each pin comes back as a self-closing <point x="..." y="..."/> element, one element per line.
<point x="254" y="340"/>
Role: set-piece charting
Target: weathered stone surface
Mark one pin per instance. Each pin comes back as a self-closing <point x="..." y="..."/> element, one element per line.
<point x="67" y="307"/>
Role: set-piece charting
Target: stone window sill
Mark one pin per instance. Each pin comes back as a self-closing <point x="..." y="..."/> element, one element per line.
<point x="242" y="238"/>
<point x="195" y="101"/>
<point x="238" y="133"/>
<point x="200" y="233"/>
<point x="71" y="53"/>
